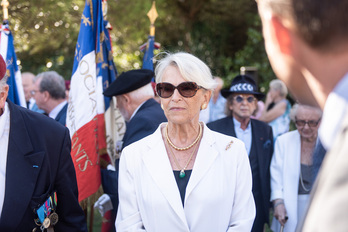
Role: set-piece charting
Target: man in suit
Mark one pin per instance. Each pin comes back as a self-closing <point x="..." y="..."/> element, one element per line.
<point x="49" y="94"/>
<point x="307" y="45"/>
<point x="35" y="163"/>
<point x="241" y="103"/>
<point x="135" y="99"/>
<point x="28" y="82"/>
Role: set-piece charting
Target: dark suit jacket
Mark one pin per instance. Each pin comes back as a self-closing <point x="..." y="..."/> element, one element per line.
<point x="39" y="163"/>
<point x="61" y="116"/>
<point x="261" y="147"/>
<point x="144" y="122"/>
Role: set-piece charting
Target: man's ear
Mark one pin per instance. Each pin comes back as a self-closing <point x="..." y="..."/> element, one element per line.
<point x="46" y="95"/>
<point x="282" y="35"/>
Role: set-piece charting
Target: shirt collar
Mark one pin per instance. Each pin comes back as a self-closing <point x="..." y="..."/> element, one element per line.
<point x="3" y="119"/>
<point x="53" y="114"/>
<point x="336" y="107"/>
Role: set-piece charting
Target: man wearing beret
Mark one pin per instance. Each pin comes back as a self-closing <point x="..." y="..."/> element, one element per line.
<point x="38" y="185"/>
<point x="142" y="113"/>
<point x="241" y="103"/>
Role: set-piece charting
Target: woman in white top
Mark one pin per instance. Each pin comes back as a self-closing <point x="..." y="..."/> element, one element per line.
<point x="277" y="108"/>
<point x="185" y="177"/>
<point x="292" y="168"/>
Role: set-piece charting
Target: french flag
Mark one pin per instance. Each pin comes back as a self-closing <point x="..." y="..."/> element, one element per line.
<point x="7" y="51"/>
<point x="93" y="70"/>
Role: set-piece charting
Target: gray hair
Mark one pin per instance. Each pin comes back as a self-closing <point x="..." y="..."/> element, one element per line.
<point x="53" y="83"/>
<point x="280" y="86"/>
<point x="190" y="67"/>
<point x="296" y="106"/>
<point x="3" y="82"/>
<point x="145" y="91"/>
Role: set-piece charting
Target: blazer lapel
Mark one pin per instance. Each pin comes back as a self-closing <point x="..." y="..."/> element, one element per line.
<point x="22" y="169"/>
<point x="158" y="165"/>
<point x="205" y="158"/>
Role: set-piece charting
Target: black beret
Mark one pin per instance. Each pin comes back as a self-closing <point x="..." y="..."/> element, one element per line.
<point x="129" y="81"/>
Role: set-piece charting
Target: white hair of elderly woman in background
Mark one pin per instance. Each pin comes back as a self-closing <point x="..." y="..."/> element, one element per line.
<point x="277" y="108"/>
<point x="185" y="177"/>
<point x="292" y="168"/>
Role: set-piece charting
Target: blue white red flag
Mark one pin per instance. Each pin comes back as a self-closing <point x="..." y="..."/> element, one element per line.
<point x="148" y="49"/>
<point x="7" y="51"/>
<point x="93" y="70"/>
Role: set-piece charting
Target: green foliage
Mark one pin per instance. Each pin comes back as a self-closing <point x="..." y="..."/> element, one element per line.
<point x="225" y="34"/>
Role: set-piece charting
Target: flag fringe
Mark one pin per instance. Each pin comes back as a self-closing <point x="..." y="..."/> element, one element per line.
<point x="85" y="203"/>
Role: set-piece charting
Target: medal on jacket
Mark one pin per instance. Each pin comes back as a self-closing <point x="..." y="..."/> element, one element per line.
<point x="47" y="217"/>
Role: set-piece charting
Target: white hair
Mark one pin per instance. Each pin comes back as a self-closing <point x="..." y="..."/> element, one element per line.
<point x="295" y="107"/>
<point x="190" y="67"/>
<point x="143" y="92"/>
<point x="3" y="83"/>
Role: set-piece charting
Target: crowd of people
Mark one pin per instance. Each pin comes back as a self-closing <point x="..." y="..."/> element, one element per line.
<point x="200" y="157"/>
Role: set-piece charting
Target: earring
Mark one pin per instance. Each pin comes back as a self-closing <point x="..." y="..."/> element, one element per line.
<point x="162" y="106"/>
<point x="204" y="106"/>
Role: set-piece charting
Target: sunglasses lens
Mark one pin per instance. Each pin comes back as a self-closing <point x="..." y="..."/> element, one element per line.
<point x="239" y="99"/>
<point x="187" y="89"/>
<point x="250" y="99"/>
<point x="300" y="122"/>
<point x="165" y="90"/>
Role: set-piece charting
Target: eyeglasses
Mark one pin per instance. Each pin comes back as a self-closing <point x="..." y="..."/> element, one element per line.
<point x="240" y="99"/>
<point x="32" y="92"/>
<point x="311" y="123"/>
<point x="186" y="89"/>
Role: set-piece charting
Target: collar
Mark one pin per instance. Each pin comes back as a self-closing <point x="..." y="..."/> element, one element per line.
<point x="237" y="124"/>
<point x="3" y="119"/>
<point x="336" y="107"/>
<point x="53" y="114"/>
<point x="136" y="110"/>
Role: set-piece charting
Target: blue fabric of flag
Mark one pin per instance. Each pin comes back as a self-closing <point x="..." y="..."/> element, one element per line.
<point x="86" y="41"/>
<point x="12" y="68"/>
<point x="108" y="68"/>
<point x="148" y="56"/>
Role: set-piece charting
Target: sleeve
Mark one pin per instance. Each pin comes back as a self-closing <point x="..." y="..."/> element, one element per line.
<point x="243" y="211"/>
<point x="71" y="216"/>
<point x="277" y="170"/>
<point x="128" y="214"/>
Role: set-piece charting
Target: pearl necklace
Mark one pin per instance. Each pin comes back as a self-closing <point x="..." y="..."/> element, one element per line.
<point x="182" y="170"/>
<point x="184" y="148"/>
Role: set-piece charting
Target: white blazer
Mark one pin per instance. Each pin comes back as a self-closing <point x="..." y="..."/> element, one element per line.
<point x="285" y="174"/>
<point x="218" y="195"/>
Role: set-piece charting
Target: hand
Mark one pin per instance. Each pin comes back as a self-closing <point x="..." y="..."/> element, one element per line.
<point x="280" y="212"/>
<point x="110" y="167"/>
<point x="103" y="204"/>
<point x="269" y="98"/>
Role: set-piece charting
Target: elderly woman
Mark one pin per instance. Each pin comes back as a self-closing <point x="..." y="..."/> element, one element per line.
<point x="185" y="177"/>
<point x="292" y="168"/>
<point x="277" y="108"/>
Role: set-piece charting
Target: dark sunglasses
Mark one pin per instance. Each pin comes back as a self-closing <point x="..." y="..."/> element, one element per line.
<point x="240" y="99"/>
<point x="186" y="89"/>
<point x="310" y="123"/>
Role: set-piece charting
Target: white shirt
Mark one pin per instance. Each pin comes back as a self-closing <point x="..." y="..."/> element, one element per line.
<point x="4" y="136"/>
<point x="244" y="135"/>
<point x="53" y="114"/>
<point x="336" y="107"/>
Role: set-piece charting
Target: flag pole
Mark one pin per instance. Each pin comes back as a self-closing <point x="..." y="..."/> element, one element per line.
<point x="5" y="4"/>
<point x="152" y="14"/>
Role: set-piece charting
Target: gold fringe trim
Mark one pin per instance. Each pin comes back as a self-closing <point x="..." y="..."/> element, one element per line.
<point x="89" y="201"/>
